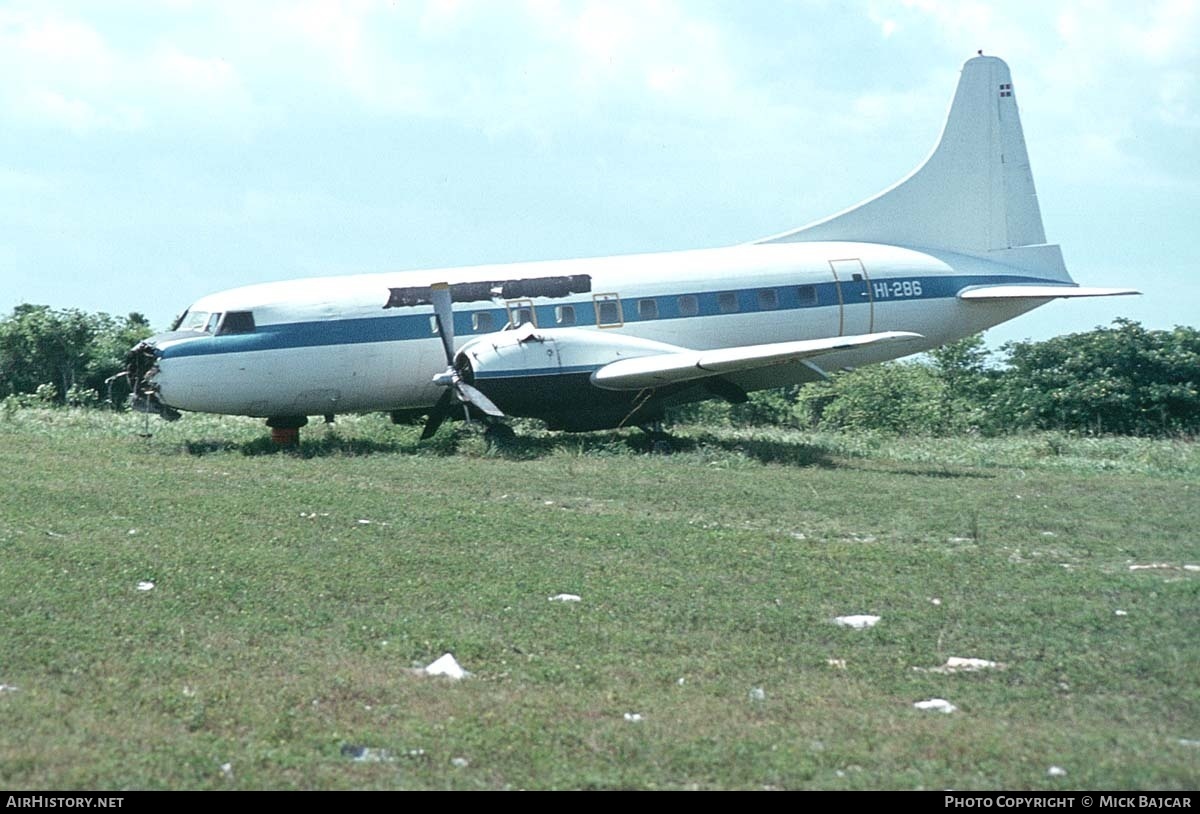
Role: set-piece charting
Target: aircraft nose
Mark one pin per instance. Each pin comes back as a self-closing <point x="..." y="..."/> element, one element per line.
<point x="141" y="368"/>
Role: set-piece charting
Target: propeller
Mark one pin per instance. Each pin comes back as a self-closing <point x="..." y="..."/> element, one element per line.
<point x="456" y="389"/>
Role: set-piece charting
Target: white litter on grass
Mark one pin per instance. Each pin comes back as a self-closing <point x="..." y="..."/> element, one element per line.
<point x="459" y="762"/>
<point x="446" y="666"/>
<point x="954" y="664"/>
<point x="367" y="754"/>
<point x="858" y="621"/>
<point x="1056" y="771"/>
<point x="960" y="540"/>
<point x="7" y="688"/>
<point x="1153" y="566"/>
<point x="132" y="532"/>
<point x="1120" y="613"/>
<point x="758" y="694"/>
<point x="936" y="705"/>
<point x="227" y="769"/>
<point x="1182" y="741"/>
<point x="633" y="716"/>
<point x="364" y="522"/>
<point x="1191" y="568"/>
<point x="566" y="598"/>
<point x="145" y="585"/>
<point x="934" y="600"/>
<point x="837" y="664"/>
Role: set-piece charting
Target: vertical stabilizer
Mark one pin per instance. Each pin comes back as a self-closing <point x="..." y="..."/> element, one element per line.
<point x="973" y="194"/>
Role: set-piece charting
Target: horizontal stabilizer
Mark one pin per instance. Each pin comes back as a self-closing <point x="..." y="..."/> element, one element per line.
<point x="662" y="369"/>
<point x="1038" y="292"/>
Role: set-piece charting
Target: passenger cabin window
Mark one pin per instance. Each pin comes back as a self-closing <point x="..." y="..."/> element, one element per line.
<point x="727" y="302"/>
<point x="768" y="299"/>
<point x="807" y="294"/>
<point x="236" y="322"/>
<point x="608" y="311"/>
<point x="689" y="305"/>
<point x="564" y="315"/>
<point x="647" y="309"/>
<point x="481" y="322"/>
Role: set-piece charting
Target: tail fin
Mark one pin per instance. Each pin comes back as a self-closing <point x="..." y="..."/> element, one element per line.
<point x="973" y="194"/>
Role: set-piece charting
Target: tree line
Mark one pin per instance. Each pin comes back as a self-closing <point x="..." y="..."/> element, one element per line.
<point x="1121" y="379"/>
<point x="64" y="356"/>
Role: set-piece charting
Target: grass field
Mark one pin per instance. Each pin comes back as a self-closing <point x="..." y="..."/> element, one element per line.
<point x="294" y="593"/>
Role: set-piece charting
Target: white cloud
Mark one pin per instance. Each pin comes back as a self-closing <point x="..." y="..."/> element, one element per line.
<point x="63" y="72"/>
<point x="1177" y="104"/>
<point x="441" y="17"/>
<point x="190" y="73"/>
<point x="1167" y="32"/>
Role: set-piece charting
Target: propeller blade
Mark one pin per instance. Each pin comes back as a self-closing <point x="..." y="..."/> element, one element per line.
<point x="444" y="312"/>
<point x="437" y="415"/>
<point x="471" y="395"/>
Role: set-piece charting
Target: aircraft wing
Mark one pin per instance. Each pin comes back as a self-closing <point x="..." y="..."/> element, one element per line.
<point x="1037" y="292"/>
<point x="661" y="369"/>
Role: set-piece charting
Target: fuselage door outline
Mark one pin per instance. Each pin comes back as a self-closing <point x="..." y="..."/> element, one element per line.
<point x="608" y="310"/>
<point x="854" y="289"/>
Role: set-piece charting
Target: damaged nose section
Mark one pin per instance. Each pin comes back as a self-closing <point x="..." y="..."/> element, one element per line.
<point x="141" y="366"/>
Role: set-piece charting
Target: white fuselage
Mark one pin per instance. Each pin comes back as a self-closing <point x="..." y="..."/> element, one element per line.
<point x="332" y="345"/>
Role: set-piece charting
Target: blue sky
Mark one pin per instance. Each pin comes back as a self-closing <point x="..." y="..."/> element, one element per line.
<point x="154" y="152"/>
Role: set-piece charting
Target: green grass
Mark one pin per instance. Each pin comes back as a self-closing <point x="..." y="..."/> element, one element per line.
<point x="282" y="631"/>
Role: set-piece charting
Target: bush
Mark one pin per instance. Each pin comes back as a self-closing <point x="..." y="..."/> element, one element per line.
<point x="1124" y="380"/>
<point x="895" y="397"/>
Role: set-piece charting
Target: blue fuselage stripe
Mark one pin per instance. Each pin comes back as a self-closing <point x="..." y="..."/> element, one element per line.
<point x="394" y="326"/>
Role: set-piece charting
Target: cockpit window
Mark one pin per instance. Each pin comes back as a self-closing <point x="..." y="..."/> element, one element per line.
<point x="194" y="321"/>
<point x="237" y="322"/>
<point x="213" y="321"/>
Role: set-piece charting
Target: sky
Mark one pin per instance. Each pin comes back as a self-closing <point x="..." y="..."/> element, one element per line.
<point x="154" y="152"/>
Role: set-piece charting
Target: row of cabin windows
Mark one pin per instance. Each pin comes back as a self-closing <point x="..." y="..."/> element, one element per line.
<point x="608" y="309"/>
<point x="608" y="312"/>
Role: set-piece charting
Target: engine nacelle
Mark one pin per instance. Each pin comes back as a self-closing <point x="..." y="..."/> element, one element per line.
<point x="537" y="372"/>
<point x="530" y="351"/>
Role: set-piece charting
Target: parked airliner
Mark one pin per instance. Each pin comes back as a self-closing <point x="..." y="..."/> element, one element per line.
<point x="954" y="248"/>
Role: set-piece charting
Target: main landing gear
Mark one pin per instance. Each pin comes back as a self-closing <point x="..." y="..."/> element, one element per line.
<point x="285" y="430"/>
